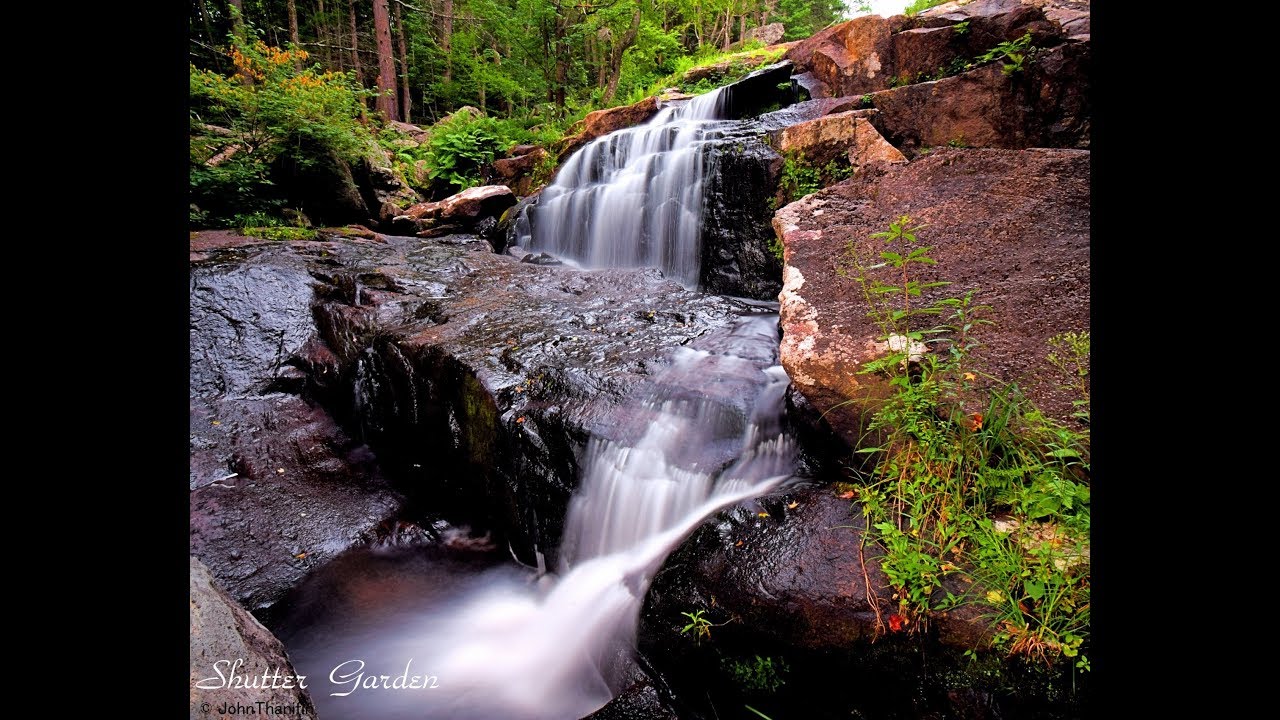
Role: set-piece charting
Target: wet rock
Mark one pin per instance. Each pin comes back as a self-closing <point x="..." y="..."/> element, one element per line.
<point x="1045" y="105"/>
<point x="795" y="576"/>
<point x="802" y="577"/>
<point x="516" y="172"/>
<point x="1025" y="246"/>
<point x="638" y="700"/>
<point x="276" y="486"/>
<point x="383" y="188"/>
<point x="767" y="87"/>
<point x="461" y="212"/>
<point x="513" y="224"/>
<point x="478" y="379"/>
<point x="223" y="631"/>
<point x="736" y="259"/>
<point x="807" y="110"/>
<point x="603" y="122"/>
<point x="541" y="258"/>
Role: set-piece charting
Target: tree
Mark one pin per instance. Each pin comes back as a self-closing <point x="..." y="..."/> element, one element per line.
<point x="386" y="103"/>
<point x="355" y="40"/>
<point x="292" y="11"/>
<point x="406" y="102"/>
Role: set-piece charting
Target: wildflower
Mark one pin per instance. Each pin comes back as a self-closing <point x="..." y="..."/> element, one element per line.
<point x="896" y="622"/>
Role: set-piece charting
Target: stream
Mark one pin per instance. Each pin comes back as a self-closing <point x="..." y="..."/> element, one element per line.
<point x="487" y="639"/>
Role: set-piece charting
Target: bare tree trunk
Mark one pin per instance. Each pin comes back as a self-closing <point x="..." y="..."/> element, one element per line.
<point x="237" y="19"/>
<point x="406" y="102"/>
<point x="292" y="11"/>
<point x="615" y="59"/>
<point x="386" y="103"/>
<point x="355" y="42"/>
<point x="208" y="27"/>
<point x="323" y="33"/>
<point x="446" y="38"/>
<point x="742" y="28"/>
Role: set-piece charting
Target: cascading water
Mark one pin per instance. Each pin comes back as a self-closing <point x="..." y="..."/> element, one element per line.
<point x="504" y="645"/>
<point x="634" y="197"/>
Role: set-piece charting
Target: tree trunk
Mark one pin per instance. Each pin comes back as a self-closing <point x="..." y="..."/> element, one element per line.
<point x="237" y="19"/>
<point x="742" y="28"/>
<point x="406" y="102"/>
<point x="355" y="42"/>
<point x="615" y="60"/>
<point x="208" y="26"/>
<point x="324" y="36"/>
<point x="446" y="38"/>
<point x="386" y="103"/>
<point x="292" y="11"/>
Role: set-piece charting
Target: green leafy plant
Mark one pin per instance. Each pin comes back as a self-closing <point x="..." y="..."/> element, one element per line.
<point x="989" y="507"/>
<point x="798" y="177"/>
<point x="460" y="148"/>
<point x="271" y="112"/>
<point x="919" y="5"/>
<point x="759" y="674"/>
<point x="698" y="625"/>
<point x="775" y="247"/>
<point x="1013" y="54"/>
<point x="1070" y="355"/>
<point x="961" y="28"/>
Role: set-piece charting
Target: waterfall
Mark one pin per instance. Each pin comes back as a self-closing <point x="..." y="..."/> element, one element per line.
<point x="634" y="197"/>
<point x="708" y="434"/>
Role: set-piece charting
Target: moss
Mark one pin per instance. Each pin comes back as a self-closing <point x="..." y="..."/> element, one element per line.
<point x="479" y="422"/>
<point x="283" y="233"/>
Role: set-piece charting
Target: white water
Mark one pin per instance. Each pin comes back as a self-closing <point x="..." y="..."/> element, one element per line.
<point x="634" y="197"/>
<point x="555" y="649"/>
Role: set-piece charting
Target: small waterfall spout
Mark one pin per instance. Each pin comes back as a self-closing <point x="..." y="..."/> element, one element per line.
<point x="556" y="648"/>
<point x="634" y="197"/>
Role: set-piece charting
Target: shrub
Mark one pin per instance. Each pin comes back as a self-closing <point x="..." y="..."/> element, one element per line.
<point x="999" y="498"/>
<point x="462" y="146"/>
<point x="267" y="111"/>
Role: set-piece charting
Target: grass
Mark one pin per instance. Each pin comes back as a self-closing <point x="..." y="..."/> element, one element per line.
<point x="987" y="507"/>
<point x="740" y="64"/>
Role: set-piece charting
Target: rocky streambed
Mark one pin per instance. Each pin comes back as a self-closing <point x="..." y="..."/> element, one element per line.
<point x="377" y="417"/>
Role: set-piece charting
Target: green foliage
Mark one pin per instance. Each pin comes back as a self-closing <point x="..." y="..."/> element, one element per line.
<point x="1013" y="54"/>
<point x="737" y="65"/>
<point x="802" y="18"/>
<point x="1070" y="355"/>
<point x="267" y="111"/>
<point x="279" y="232"/>
<point x="799" y="179"/>
<point x="961" y="28"/>
<point x="775" y="247"/>
<point x="461" y="147"/>
<point x="920" y="5"/>
<point x="988" y="508"/>
<point x="698" y="625"/>
<point x="758" y="674"/>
